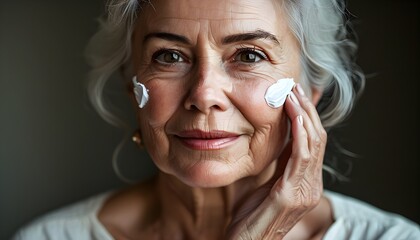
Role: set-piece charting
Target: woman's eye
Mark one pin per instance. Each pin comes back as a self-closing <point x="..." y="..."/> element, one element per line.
<point x="250" y="56"/>
<point x="168" y="57"/>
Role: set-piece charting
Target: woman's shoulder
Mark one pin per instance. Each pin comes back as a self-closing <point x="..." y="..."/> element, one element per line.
<point x="76" y="221"/>
<point x="354" y="219"/>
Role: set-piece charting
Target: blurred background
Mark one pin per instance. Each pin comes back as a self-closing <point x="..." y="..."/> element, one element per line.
<point x="55" y="150"/>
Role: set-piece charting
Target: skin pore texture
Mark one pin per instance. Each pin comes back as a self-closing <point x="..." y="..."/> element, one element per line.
<point x="207" y="65"/>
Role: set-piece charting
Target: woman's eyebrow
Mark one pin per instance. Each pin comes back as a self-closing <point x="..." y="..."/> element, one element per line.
<point x="167" y="36"/>
<point x="255" y="35"/>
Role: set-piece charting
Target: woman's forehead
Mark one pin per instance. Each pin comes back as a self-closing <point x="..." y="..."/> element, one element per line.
<point x="211" y="9"/>
<point x="224" y="16"/>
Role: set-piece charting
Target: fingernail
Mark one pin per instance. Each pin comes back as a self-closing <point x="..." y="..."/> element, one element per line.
<point x="300" y="120"/>
<point x="294" y="99"/>
<point x="300" y="89"/>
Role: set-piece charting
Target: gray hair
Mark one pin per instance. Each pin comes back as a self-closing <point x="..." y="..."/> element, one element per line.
<point x="327" y="55"/>
<point x="320" y="26"/>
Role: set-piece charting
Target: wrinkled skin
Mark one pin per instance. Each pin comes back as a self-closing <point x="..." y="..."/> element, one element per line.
<point x="207" y="65"/>
<point x="210" y="90"/>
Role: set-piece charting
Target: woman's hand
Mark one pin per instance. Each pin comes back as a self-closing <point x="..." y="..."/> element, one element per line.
<point x="296" y="188"/>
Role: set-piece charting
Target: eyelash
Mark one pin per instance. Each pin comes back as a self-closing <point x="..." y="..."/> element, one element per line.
<point x="239" y="50"/>
<point x="161" y="51"/>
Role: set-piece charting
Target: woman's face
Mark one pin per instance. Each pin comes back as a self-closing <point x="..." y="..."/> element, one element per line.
<point x="207" y="65"/>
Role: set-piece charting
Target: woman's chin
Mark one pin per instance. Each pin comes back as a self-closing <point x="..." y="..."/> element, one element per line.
<point x="211" y="174"/>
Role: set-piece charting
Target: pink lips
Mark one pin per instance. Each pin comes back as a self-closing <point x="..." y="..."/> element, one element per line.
<point x="201" y="140"/>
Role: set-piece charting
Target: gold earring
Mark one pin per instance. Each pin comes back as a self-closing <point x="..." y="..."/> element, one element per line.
<point x="136" y="138"/>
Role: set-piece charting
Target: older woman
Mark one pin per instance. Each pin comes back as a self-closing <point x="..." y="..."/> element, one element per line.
<point x="225" y="93"/>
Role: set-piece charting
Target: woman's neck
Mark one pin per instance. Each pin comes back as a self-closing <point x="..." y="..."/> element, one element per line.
<point x="167" y="208"/>
<point x="204" y="211"/>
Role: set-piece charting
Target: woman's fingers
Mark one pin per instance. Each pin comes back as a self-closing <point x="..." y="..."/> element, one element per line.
<point x="304" y="136"/>
<point x="300" y="156"/>
<point x="318" y="140"/>
<point x="317" y="136"/>
<point x="302" y="177"/>
<point x="296" y="107"/>
<point x="297" y="185"/>
<point x="308" y="106"/>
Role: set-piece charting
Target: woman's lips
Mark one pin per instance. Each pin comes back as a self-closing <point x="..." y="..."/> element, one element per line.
<point x="202" y="140"/>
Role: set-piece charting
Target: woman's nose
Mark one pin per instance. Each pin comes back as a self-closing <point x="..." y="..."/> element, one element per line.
<point x="208" y="89"/>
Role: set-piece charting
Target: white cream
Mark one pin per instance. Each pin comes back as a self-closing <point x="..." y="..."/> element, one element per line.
<point x="276" y="94"/>
<point x="140" y="91"/>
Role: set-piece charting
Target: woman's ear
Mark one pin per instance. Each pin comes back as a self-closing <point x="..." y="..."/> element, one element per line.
<point x="316" y="95"/>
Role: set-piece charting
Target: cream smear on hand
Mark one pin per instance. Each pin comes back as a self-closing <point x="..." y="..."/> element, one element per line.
<point x="140" y="91"/>
<point x="276" y="94"/>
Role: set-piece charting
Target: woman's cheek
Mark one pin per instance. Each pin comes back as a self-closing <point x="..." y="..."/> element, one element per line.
<point x="164" y="99"/>
<point x="252" y="86"/>
<point x="270" y="125"/>
<point x="248" y="96"/>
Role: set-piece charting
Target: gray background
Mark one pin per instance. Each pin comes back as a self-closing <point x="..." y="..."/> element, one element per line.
<point x="55" y="150"/>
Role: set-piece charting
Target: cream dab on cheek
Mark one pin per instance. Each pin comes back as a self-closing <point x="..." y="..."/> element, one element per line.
<point x="141" y="93"/>
<point x="276" y="94"/>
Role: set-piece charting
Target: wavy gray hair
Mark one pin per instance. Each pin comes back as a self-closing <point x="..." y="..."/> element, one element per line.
<point x="320" y="26"/>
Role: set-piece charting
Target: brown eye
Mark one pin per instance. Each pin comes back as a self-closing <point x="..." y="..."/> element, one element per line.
<point x="168" y="57"/>
<point x="250" y="56"/>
